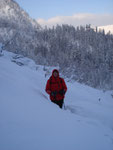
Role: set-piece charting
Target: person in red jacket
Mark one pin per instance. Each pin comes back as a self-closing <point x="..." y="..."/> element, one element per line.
<point x="56" y="88"/>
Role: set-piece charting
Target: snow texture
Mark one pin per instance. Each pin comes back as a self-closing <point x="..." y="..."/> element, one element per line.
<point x="108" y="28"/>
<point x="28" y="120"/>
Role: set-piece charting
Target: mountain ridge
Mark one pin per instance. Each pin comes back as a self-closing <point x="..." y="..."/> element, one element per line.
<point x="17" y="28"/>
<point x="10" y="10"/>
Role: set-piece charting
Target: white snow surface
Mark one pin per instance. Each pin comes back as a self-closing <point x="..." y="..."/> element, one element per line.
<point x="29" y="121"/>
<point x="107" y="28"/>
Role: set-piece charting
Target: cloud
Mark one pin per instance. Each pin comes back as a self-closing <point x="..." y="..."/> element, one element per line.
<point x="79" y="19"/>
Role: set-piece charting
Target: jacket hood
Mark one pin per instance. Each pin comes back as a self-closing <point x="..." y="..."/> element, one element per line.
<point x="55" y="70"/>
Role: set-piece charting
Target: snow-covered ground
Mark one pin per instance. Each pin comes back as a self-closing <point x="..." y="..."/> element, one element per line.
<point x="29" y="121"/>
<point x="107" y="28"/>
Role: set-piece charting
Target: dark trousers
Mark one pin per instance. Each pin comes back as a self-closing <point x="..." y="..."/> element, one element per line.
<point x="59" y="102"/>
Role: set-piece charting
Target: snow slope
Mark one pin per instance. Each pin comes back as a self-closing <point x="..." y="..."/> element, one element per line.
<point x="107" y="28"/>
<point x="29" y="121"/>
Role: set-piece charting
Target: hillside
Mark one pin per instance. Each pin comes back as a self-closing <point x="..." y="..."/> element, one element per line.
<point x="108" y="28"/>
<point x="28" y="120"/>
<point x="12" y="14"/>
<point x="17" y="28"/>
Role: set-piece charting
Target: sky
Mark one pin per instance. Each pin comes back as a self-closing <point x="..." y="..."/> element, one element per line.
<point x="75" y="12"/>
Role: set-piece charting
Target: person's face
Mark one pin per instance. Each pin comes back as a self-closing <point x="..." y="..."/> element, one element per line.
<point x="55" y="74"/>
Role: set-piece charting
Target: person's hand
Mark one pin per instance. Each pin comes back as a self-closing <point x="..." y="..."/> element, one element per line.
<point x="54" y="93"/>
<point x="62" y="92"/>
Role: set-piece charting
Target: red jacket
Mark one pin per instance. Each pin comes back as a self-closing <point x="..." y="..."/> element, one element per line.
<point x="56" y="84"/>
